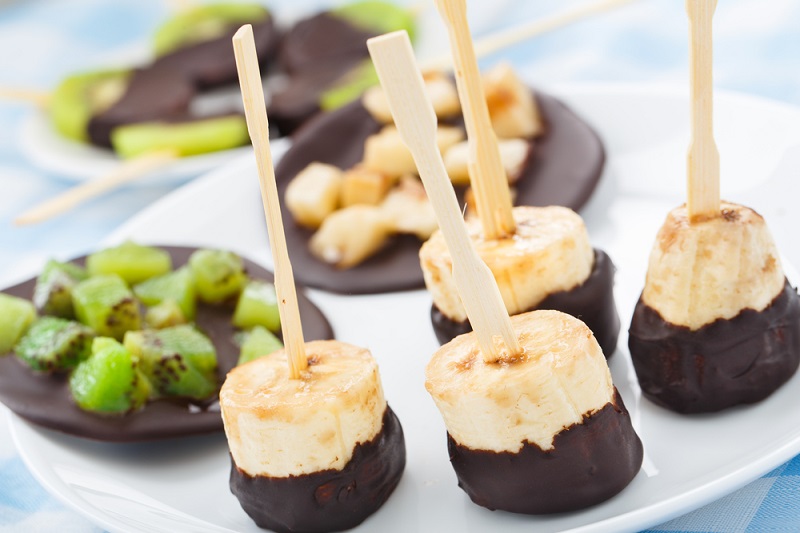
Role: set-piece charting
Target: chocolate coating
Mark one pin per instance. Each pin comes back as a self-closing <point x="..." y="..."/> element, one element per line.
<point x="589" y="463"/>
<point x="331" y="500"/>
<point x="45" y="399"/>
<point x="163" y="90"/>
<point x="566" y="168"/>
<point x="728" y="362"/>
<point x="592" y="302"/>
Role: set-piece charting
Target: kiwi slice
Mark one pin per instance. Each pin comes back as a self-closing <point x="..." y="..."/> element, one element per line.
<point x="204" y="23"/>
<point x="257" y="306"/>
<point x="184" y="138"/>
<point x="379" y="17"/>
<point x="81" y="96"/>
<point x="16" y="315"/>
<point x="219" y="275"/>
<point x="164" y="315"/>
<point x="350" y="86"/>
<point x="257" y="342"/>
<point x="177" y="286"/>
<point x="54" y="344"/>
<point x="132" y="262"/>
<point x="53" y="292"/>
<point x="106" y="304"/>
<point x="179" y="361"/>
<point x="109" y="381"/>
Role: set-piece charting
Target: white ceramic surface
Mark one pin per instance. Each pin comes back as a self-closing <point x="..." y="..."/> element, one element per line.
<point x="690" y="461"/>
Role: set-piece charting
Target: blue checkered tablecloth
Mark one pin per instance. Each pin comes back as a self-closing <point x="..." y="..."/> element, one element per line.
<point x="757" y="50"/>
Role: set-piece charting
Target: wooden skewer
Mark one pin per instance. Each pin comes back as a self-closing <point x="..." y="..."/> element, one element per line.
<point x="125" y="173"/>
<point x="703" y="162"/>
<point x="510" y="36"/>
<point x="26" y="95"/>
<point x="416" y="121"/>
<point x="257" y="124"/>
<point x="486" y="172"/>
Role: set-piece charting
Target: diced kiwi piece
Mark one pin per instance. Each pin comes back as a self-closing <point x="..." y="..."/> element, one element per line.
<point x="377" y="16"/>
<point x="164" y="315"/>
<point x="110" y="380"/>
<point x="218" y="274"/>
<point x="177" y="286"/>
<point x="53" y="292"/>
<point x="204" y="23"/>
<point x="350" y="86"/>
<point x="16" y="315"/>
<point x="106" y="304"/>
<point x="132" y="262"/>
<point x="257" y="306"/>
<point x="184" y="138"/>
<point x="179" y="361"/>
<point x="81" y="96"/>
<point x="53" y="344"/>
<point x="257" y="342"/>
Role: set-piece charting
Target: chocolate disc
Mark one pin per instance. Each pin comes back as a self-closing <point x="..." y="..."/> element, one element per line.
<point x="564" y="170"/>
<point x="728" y="362"/>
<point x="45" y="399"/>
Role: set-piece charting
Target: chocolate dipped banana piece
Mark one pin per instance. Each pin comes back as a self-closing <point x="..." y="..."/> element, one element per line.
<point x="319" y="453"/>
<point x="547" y="264"/>
<point x="541" y="432"/>
<point x="717" y="323"/>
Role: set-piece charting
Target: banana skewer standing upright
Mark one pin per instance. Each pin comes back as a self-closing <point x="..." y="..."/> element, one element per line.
<point x="314" y="445"/>
<point x="541" y="257"/>
<point x="534" y="422"/>
<point x="717" y="323"/>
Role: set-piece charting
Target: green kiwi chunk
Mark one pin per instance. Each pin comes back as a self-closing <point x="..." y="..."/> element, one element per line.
<point x="349" y="87"/>
<point x="219" y="275"/>
<point x="53" y="292"/>
<point x="177" y="286"/>
<point x="54" y="344"/>
<point x="132" y="262"/>
<point x="81" y="96"/>
<point x="109" y="381"/>
<point x="257" y="306"/>
<point x="257" y="342"/>
<point x="204" y="23"/>
<point x="164" y="315"/>
<point x="179" y="361"/>
<point x="184" y="138"/>
<point x="16" y="316"/>
<point x="106" y="304"/>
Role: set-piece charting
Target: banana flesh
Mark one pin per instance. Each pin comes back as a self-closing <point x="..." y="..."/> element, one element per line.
<point x="280" y="427"/>
<point x="550" y="252"/>
<point x="712" y="269"/>
<point x="560" y="377"/>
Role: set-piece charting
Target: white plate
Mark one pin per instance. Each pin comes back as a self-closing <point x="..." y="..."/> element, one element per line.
<point x="689" y="462"/>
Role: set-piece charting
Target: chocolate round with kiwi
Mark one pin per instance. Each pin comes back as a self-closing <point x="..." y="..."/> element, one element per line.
<point x="45" y="399"/>
<point x="592" y="302"/>
<point x="565" y="168"/>
<point x="589" y="463"/>
<point x="330" y="500"/>
<point x="722" y="364"/>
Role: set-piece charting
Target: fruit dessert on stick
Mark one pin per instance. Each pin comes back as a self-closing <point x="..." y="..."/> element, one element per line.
<point x="540" y="256"/>
<point x="314" y="445"/>
<point x="717" y="324"/>
<point x="534" y="422"/>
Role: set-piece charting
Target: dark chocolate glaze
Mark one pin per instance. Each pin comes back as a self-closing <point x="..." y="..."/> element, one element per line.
<point x="321" y="40"/>
<point x="330" y="500"/>
<point x="163" y="90"/>
<point x="592" y="302"/>
<point x="45" y="399"/>
<point x="725" y="363"/>
<point x="566" y="168"/>
<point x="589" y="463"/>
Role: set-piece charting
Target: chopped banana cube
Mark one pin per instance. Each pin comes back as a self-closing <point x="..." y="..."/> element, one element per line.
<point x="363" y="186"/>
<point x="386" y="153"/>
<point x="314" y="194"/>
<point x="513" y="154"/>
<point x="512" y="108"/>
<point x="350" y="235"/>
<point x="408" y="209"/>
<point x="441" y="92"/>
